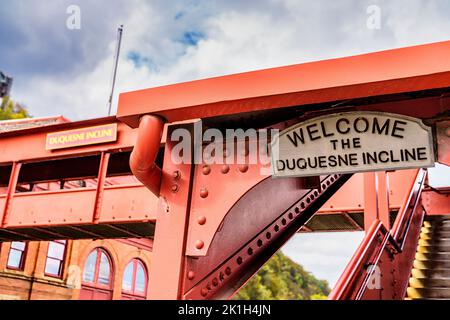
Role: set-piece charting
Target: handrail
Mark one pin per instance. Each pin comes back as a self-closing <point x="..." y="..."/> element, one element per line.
<point x="356" y="262"/>
<point x="353" y="281"/>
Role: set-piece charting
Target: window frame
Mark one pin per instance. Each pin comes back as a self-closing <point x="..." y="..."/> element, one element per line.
<point x="62" y="261"/>
<point x="23" y="256"/>
<point x="95" y="284"/>
<point x="132" y="292"/>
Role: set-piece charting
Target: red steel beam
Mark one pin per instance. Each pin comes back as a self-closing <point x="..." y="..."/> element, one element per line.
<point x="410" y="69"/>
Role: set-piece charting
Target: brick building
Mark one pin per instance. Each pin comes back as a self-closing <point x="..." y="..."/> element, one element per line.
<point x="72" y="269"/>
<point x="75" y="269"/>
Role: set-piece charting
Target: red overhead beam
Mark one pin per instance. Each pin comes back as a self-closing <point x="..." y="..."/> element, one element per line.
<point x="410" y="69"/>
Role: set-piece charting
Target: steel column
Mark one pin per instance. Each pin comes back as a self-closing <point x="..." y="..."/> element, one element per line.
<point x="370" y="200"/>
<point x="15" y="171"/>
<point x="102" y="171"/>
<point x="172" y="223"/>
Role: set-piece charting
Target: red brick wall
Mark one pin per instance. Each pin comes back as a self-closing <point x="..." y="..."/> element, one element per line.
<point x="33" y="284"/>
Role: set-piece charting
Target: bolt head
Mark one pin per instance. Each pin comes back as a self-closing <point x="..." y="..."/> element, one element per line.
<point x="176" y="175"/>
<point x="225" y="169"/>
<point x="199" y="244"/>
<point x="191" y="275"/>
<point x="204" y="193"/>
<point x="206" y="170"/>
<point x="243" y="168"/>
<point x="201" y="220"/>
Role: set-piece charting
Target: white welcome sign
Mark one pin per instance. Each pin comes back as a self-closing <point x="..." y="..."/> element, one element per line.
<point x="352" y="142"/>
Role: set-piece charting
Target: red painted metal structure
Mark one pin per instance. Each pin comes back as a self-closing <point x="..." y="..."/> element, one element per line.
<point x="217" y="224"/>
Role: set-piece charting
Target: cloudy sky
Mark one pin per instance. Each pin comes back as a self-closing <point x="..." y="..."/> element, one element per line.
<point x="58" y="70"/>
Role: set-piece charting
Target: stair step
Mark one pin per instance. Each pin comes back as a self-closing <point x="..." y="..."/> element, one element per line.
<point x="434" y="248"/>
<point x="431" y="256"/>
<point x="433" y="293"/>
<point x="432" y="264"/>
<point x="434" y="235"/>
<point x="429" y="283"/>
<point x="435" y="228"/>
<point x="430" y="273"/>
<point x="435" y="241"/>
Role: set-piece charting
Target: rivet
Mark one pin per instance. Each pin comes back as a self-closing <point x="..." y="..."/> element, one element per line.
<point x="206" y="170"/>
<point x="204" y="193"/>
<point x="191" y="275"/>
<point x="199" y="244"/>
<point x="204" y="292"/>
<point x="201" y="220"/>
<point x="174" y="188"/>
<point x="176" y="175"/>
<point x="225" y="169"/>
<point x="243" y="168"/>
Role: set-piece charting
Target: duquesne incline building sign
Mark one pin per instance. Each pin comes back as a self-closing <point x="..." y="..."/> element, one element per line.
<point x="352" y="142"/>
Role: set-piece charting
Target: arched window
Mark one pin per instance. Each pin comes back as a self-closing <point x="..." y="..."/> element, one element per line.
<point x="97" y="276"/>
<point x="135" y="281"/>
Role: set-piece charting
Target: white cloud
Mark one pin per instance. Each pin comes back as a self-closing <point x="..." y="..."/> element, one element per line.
<point x="324" y="254"/>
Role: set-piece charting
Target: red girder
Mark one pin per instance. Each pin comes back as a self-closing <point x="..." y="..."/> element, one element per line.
<point x="398" y="71"/>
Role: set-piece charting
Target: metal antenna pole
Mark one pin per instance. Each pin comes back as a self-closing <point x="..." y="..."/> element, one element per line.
<point x="116" y="63"/>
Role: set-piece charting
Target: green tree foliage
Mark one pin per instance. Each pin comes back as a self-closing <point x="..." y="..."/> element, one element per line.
<point x="283" y="279"/>
<point x="12" y="110"/>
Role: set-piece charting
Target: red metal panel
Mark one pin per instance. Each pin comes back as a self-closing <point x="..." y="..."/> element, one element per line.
<point x="342" y="202"/>
<point x="132" y="202"/>
<point x="121" y="203"/>
<point x="63" y="207"/>
<point x="212" y="200"/>
<point x="436" y="202"/>
<point x="11" y="143"/>
<point x="388" y="72"/>
<point x="252" y="231"/>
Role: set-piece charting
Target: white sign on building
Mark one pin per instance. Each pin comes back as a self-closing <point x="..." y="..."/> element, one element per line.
<point x="352" y="142"/>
